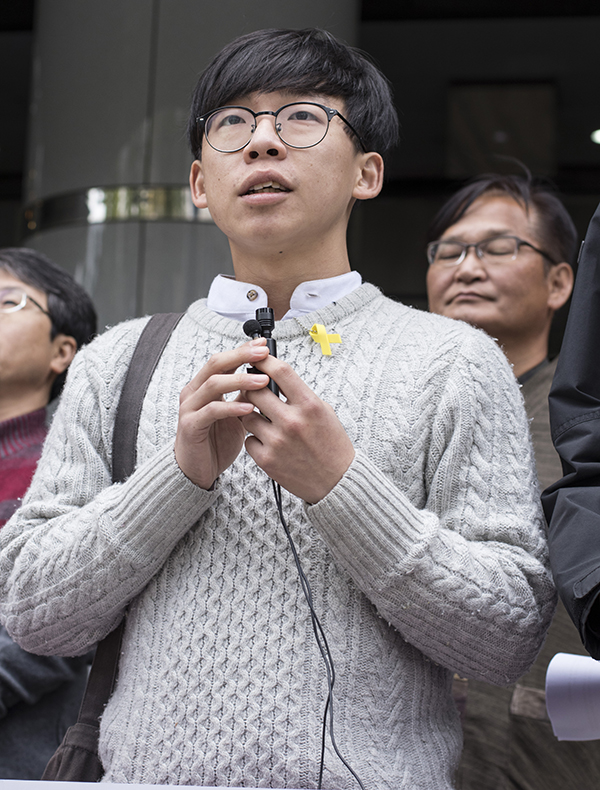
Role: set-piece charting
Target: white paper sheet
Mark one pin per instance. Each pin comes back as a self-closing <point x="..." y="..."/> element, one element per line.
<point x="573" y="697"/>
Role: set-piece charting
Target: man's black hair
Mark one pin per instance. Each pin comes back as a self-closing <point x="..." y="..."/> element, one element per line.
<point x="71" y="309"/>
<point x="554" y="227"/>
<point x="304" y="62"/>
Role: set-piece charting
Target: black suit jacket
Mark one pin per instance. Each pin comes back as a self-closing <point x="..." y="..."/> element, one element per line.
<point x="572" y="505"/>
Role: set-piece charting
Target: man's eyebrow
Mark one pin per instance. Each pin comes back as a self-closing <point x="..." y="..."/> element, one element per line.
<point x="488" y="233"/>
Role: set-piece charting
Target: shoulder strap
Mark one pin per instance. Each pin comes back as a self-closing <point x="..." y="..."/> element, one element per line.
<point x="143" y="363"/>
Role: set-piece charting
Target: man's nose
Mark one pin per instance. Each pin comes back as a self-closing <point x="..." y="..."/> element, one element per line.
<point x="265" y="140"/>
<point x="471" y="267"/>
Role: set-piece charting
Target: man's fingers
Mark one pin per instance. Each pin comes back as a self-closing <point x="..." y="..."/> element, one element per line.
<point x="267" y="403"/>
<point x="214" y="388"/>
<point x="227" y="362"/>
<point x="286" y="378"/>
<point x="256" y="424"/>
<point x="199" y="421"/>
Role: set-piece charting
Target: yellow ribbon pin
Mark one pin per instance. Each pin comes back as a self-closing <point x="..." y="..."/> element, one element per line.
<point x="319" y="335"/>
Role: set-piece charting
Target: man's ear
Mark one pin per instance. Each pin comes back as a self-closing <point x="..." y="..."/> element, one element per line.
<point x="197" y="185"/>
<point x="370" y="176"/>
<point x="560" y="285"/>
<point x="64" y="348"/>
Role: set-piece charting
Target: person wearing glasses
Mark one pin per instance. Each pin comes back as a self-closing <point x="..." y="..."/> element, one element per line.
<point x="500" y="255"/>
<point x="405" y="485"/>
<point x="44" y="317"/>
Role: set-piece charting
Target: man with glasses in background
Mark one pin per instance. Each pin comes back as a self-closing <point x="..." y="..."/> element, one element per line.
<point x="500" y="254"/>
<point x="44" y="317"/>
<point x="388" y="445"/>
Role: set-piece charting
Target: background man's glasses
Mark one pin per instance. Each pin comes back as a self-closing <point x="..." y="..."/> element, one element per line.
<point x="13" y="299"/>
<point x="499" y="249"/>
<point x="298" y="125"/>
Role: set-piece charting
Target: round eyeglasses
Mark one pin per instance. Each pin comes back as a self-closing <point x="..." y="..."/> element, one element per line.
<point x="298" y="125"/>
<point x="14" y="299"/>
<point x="499" y="249"/>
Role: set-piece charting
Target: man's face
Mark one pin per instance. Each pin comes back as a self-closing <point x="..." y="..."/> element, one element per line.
<point x="507" y="300"/>
<point x="316" y="186"/>
<point x="29" y="359"/>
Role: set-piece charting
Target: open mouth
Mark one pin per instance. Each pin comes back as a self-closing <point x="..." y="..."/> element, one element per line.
<point x="267" y="186"/>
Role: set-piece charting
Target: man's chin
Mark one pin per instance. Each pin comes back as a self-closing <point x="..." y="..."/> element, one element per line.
<point x="470" y="315"/>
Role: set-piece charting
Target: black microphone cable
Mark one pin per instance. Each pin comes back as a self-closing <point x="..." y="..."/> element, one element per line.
<point x="321" y="640"/>
<point x="263" y="326"/>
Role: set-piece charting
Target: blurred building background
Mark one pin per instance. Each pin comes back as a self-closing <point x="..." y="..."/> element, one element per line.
<point x="93" y="105"/>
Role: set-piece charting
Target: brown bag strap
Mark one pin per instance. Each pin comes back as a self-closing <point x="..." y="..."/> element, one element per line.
<point x="103" y="675"/>
<point x="143" y="363"/>
<point x="148" y="351"/>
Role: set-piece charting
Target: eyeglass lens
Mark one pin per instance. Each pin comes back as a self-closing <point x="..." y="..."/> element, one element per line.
<point x="298" y="125"/>
<point x="12" y="299"/>
<point x="447" y="253"/>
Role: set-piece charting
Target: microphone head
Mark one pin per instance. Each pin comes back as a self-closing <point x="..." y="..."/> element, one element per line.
<point x="266" y="318"/>
<point x="252" y="328"/>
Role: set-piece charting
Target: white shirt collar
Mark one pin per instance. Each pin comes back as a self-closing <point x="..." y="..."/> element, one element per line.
<point x="234" y="299"/>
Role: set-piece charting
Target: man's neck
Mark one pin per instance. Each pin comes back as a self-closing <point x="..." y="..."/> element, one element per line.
<point x="280" y="272"/>
<point x="17" y="405"/>
<point x="524" y="356"/>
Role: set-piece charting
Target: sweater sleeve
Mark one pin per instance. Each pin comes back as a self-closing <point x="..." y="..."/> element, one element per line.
<point x="465" y="577"/>
<point x="80" y="548"/>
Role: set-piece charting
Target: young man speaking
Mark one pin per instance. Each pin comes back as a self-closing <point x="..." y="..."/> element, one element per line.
<point x="409" y="492"/>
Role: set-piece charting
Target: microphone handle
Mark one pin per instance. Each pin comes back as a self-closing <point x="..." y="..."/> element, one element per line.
<point x="272" y="346"/>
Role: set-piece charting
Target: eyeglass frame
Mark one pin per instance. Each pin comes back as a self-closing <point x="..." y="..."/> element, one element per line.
<point x="479" y="253"/>
<point x="25" y="296"/>
<point x="202" y="120"/>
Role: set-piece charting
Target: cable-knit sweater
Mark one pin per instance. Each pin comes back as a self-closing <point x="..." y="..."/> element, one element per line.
<point x="428" y="557"/>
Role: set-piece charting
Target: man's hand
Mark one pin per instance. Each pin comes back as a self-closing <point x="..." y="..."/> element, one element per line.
<point x="209" y="432"/>
<point x="301" y="445"/>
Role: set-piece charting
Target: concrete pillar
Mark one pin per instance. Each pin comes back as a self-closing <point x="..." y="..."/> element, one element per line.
<point x="106" y="183"/>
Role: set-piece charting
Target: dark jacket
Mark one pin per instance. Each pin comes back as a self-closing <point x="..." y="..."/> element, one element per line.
<point x="39" y="695"/>
<point x="572" y="505"/>
<point x="39" y="699"/>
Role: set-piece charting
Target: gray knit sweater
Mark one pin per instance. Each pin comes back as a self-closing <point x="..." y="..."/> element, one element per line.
<point x="427" y="558"/>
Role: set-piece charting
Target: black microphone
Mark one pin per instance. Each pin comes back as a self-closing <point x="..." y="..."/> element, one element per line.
<point x="252" y="328"/>
<point x="262" y="326"/>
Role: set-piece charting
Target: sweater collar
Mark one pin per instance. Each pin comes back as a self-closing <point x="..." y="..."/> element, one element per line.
<point x="329" y="315"/>
<point x="22" y="431"/>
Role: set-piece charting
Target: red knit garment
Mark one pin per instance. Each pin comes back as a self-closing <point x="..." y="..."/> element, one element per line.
<point x="21" y="442"/>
